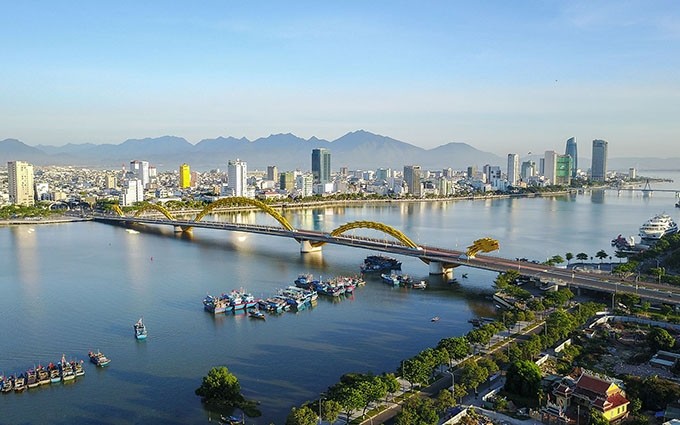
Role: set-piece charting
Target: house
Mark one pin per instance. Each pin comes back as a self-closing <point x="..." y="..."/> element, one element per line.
<point x="573" y="398"/>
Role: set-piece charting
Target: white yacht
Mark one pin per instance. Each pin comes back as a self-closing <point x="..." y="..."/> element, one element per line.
<point x="658" y="226"/>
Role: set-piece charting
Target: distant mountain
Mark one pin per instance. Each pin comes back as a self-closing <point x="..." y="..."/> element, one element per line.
<point x="357" y="150"/>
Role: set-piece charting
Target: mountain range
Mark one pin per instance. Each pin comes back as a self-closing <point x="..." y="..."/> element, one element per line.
<point x="356" y="150"/>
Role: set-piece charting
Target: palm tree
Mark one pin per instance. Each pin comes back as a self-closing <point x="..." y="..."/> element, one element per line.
<point x="582" y="256"/>
<point x="601" y="254"/>
<point x="569" y="256"/>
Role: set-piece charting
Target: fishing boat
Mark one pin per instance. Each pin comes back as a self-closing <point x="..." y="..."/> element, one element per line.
<point x="67" y="373"/>
<point x="256" y="314"/>
<point x="43" y="375"/>
<point x="53" y="370"/>
<point x="99" y="359"/>
<point x="140" y="329"/>
<point x="78" y="367"/>
<point x="420" y="285"/>
<point x="380" y="263"/>
<point x="19" y="383"/>
<point x="32" y="378"/>
<point x="7" y="384"/>
<point x="216" y="305"/>
<point x="390" y="279"/>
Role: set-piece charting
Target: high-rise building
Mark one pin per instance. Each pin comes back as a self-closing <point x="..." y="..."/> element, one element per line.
<point x="563" y="169"/>
<point x="20" y="179"/>
<point x="111" y="181"/>
<point x="133" y="192"/>
<point x="272" y="173"/>
<point x="184" y="176"/>
<point x="471" y="171"/>
<point x="237" y="174"/>
<point x="287" y="180"/>
<point x="305" y="184"/>
<point x="321" y="165"/>
<point x="383" y="174"/>
<point x="412" y="179"/>
<point x="528" y="170"/>
<point x="550" y="166"/>
<point x="492" y="173"/>
<point x="572" y="151"/>
<point x="140" y="170"/>
<point x="598" y="168"/>
<point x="513" y="169"/>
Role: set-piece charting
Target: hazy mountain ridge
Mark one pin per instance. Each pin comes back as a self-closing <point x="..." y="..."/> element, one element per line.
<point x="357" y="150"/>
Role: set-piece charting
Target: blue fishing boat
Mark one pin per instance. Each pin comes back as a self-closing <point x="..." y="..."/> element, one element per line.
<point x="140" y="329"/>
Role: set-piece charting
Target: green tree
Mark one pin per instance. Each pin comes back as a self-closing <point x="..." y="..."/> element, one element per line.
<point x="557" y="259"/>
<point x="582" y="256"/>
<point x="459" y="391"/>
<point x="415" y="371"/>
<point x="601" y="254"/>
<point x="523" y="377"/>
<point x="330" y="410"/>
<point x="569" y="256"/>
<point x="472" y="375"/>
<point x="597" y="418"/>
<point x="418" y="411"/>
<point x="349" y="398"/>
<point x="391" y="383"/>
<point x="444" y="400"/>
<point x="301" y="416"/>
<point x="457" y="347"/>
<point x="220" y="386"/>
<point x="489" y="365"/>
<point x="660" y="339"/>
<point x="373" y="388"/>
<point x="532" y="347"/>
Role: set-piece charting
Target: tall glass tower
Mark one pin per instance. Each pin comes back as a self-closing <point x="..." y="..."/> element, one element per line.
<point x="321" y="165"/>
<point x="598" y="169"/>
<point x="573" y="153"/>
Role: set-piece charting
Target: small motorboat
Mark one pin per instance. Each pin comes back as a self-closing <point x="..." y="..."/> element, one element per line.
<point x="434" y="319"/>
<point x="256" y="314"/>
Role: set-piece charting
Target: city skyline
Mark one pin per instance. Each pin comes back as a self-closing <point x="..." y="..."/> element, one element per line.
<point x="501" y="77"/>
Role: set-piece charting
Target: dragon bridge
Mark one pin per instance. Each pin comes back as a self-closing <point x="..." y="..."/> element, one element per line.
<point x="397" y="234"/>
<point x="154" y="207"/>
<point x="483" y="245"/>
<point x="239" y="200"/>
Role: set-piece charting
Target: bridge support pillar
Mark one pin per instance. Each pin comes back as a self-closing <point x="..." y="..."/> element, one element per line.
<point x="437" y="268"/>
<point x="178" y="229"/>
<point x="306" y="246"/>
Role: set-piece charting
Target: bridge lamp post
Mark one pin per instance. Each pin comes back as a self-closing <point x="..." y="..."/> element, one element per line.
<point x="321" y="399"/>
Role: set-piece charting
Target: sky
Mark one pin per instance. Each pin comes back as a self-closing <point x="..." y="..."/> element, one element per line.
<point x="502" y="76"/>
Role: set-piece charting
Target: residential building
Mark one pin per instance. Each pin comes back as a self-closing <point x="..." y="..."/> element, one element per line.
<point x="287" y="180"/>
<point x="304" y="183"/>
<point x="598" y="168"/>
<point x="131" y="193"/>
<point x="412" y="179"/>
<point x="321" y="165"/>
<point x="20" y="179"/>
<point x="237" y="174"/>
<point x="492" y="173"/>
<point x="513" y="169"/>
<point x="572" y="151"/>
<point x="184" y="176"/>
<point x="471" y="172"/>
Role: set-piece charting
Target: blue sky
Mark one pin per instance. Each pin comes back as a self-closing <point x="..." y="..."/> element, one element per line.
<point x="502" y="76"/>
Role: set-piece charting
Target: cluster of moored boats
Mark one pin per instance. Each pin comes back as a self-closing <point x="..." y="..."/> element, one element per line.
<point x="380" y="263"/>
<point x="296" y="297"/>
<point x="402" y="280"/>
<point x="61" y="371"/>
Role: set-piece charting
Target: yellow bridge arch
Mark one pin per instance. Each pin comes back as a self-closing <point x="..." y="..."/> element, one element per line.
<point x="239" y="200"/>
<point x="154" y="207"/>
<point x="397" y="234"/>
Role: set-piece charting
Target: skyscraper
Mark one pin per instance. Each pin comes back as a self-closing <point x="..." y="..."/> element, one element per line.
<point x="572" y="151"/>
<point x="237" y="173"/>
<point x="550" y="166"/>
<point x="528" y="170"/>
<point x="272" y="173"/>
<point x="140" y="171"/>
<point x="563" y="170"/>
<point x="513" y="169"/>
<point x="412" y="179"/>
<point x="598" y="168"/>
<point x="20" y="179"/>
<point x="184" y="176"/>
<point x="321" y="165"/>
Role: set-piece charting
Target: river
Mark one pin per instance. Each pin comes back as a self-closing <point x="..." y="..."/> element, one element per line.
<point x="75" y="287"/>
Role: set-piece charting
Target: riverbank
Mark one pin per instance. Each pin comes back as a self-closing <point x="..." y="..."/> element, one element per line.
<point x="42" y="220"/>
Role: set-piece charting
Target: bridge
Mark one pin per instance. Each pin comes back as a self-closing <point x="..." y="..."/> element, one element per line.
<point x="646" y="190"/>
<point x="440" y="260"/>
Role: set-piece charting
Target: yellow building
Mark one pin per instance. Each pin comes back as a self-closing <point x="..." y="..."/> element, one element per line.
<point x="184" y="176"/>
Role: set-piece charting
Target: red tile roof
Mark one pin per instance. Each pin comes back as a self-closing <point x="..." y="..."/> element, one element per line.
<point x="593" y="384"/>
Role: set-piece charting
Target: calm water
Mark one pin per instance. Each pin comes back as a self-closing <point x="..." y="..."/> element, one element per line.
<point x="77" y="287"/>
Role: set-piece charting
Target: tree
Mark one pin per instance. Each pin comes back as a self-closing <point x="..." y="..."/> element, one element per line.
<point x="459" y="391"/>
<point x="330" y="410"/>
<point x="569" y="256"/>
<point x="472" y="375"/>
<point x="523" y="377"/>
<point x="597" y="418"/>
<point x="391" y="383"/>
<point x="457" y="347"/>
<point x="489" y="365"/>
<point x="220" y="386"/>
<point x="582" y="256"/>
<point x="532" y="347"/>
<point x="418" y="411"/>
<point x="444" y="400"/>
<point x="349" y="398"/>
<point x="557" y="259"/>
<point x="601" y="254"/>
<point x="301" y="416"/>
<point x="373" y="388"/>
<point x="415" y="371"/>
<point x="660" y="339"/>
